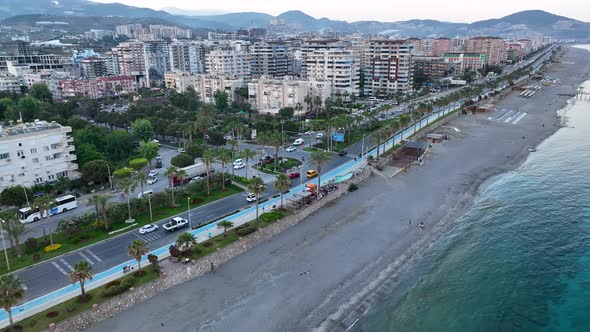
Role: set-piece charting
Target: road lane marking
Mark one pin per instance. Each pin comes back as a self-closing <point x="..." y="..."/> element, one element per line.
<point x="519" y="118"/>
<point x="512" y="117"/>
<point x="59" y="268"/>
<point x="93" y="255"/>
<point x="24" y="286"/>
<point x="503" y="116"/>
<point x="86" y="258"/>
<point x="63" y="261"/>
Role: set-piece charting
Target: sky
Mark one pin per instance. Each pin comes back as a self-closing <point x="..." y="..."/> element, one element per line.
<point x="381" y="10"/>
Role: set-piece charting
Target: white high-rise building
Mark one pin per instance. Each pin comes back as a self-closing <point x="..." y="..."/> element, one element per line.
<point x="228" y="63"/>
<point x="389" y="67"/>
<point x="186" y="57"/>
<point x="340" y="67"/>
<point x="36" y="153"/>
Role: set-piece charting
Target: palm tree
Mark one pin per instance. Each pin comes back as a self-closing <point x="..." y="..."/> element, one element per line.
<point x="137" y="249"/>
<point x="247" y="154"/>
<point x="44" y="203"/>
<point x="208" y="158"/>
<point x="11" y="292"/>
<point x="320" y="158"/>
<point x="257" y="187"/>
<point x="127" y="186"/>
<point x="82" y="271"/>
<point x="15" y="230"/>
<point x="233" y="143"/>
<point x="102" y="201"/>
<point x="141" y="179"/>
<point x="186" y="241"/>
<point x="282" y="184"/>
<point x="225" y="224"/>
<point x="404" y="120"/>
<point x="223" y="155"/>
<point x="171" y="173"/>
<point x="92" y="200"/>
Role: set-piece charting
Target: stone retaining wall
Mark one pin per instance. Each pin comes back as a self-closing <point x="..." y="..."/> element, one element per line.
<point x="201" y="266"/>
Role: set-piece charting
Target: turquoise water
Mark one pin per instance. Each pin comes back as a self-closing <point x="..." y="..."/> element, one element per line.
<point x="519" y="260"/>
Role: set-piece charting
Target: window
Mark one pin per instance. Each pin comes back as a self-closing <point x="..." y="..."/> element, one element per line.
<point x="20" y="153"/>
<point x="35" y="160"/>
<point x="54" y="146"/>
<point x="34" y="150"/>
<point x="4" y="156"/>
<point x="38" y="180"/>
<point x="45" y="148"/>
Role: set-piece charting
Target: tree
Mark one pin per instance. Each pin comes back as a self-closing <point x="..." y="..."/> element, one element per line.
<point x="257" y="187"/>
<point x="119" y="145"/>
<point x="95" y="171"/>
<point x="149" y="150"/>
<point x="41" y="92"/>
<point x="86" y="153"/>
<point x="247" y="154"/>
<point x="82" y="272"/>
<point x="224" y="157"/>
<point x="320" y="158"/>
<point x="232" y="143"/>
<point x="208" y="158"/>
<point x="11" y="292"/>
<point x="171" y="173"/>
<point x="137" y="249"/>
<point x="101" y="201"/>
<point x="221" y="102"/>
<point x="15" y="196"/>
<point x="282" y="184"/>
<point x="186" y="241"/>
<point x="216" y="138"/>
<point x="141" y="179"/>
<point x="127" y="186"/>
<point x="225" y="224"/>
<point x="15" y="230"/>
<point x="29" y="108"/>
<point x="44" y="203"/>
<point x="182" y="160"/>
<point x="138" y="163"/>
<point x="195" y="150"/>
<point x="286" y="113"/>
<point x="122" y="173"/>
<point x="142" y="129"/>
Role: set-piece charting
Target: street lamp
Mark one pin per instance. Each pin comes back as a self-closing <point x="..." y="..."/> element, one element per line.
<point x="2" y="221"/>
<point x="188" y="204"/>
<point x="26" y="196"/>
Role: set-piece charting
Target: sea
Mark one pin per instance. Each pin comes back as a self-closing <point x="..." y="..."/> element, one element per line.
<point x="519" y="259"/>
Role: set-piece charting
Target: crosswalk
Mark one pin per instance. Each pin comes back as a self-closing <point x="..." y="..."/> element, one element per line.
<point x="509" y="116"/>
<point x="148" y="237"/>
<point x="65" y="267"/>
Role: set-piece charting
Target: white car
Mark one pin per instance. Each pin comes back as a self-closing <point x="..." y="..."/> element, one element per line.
<point x="226" y="137"/>
<point x="152" y="180"/>
<point x="239" y="166"/>
<point x="291" y="148"/>
<point x="153" y="173"/>
<point x="319" y="135"/>
<point x="148" y="229"/>
<point x="308" y="132"/>
<point x="181" y="150"/>
<point x="251" y="198"/>
<point x="298" y="141"/>
<point x="237" y="162"/>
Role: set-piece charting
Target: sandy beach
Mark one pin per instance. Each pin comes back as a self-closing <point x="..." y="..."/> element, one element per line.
<point x="325" y="272"/>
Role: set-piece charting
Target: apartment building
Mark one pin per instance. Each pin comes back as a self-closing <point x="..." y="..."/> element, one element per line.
<point x="268" y="96"/>
<point x="339" y="67"/>
<point x="228" y="63"/>
<point x="431" y="67"/>
<point x="270" y="59"/>
<point x="186" y="57"/>
<point x="37" y="62"/>
<point x="463" y="61"/>
<point x="157" y="59"/>
<point x="94" y="88"/>
<point x="9" y="83"/>
<point x="127" y="59"/>
<point x="441" y="46"/>
<point x="494" y="47"/>
<point x="36" y="153"/>
<point x="389" y="70"/>
<point x="310" y="46"/>
<point x="93" y="67"/>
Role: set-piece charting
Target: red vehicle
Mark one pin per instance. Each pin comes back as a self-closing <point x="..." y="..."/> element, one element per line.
<point x="294" y="175"/>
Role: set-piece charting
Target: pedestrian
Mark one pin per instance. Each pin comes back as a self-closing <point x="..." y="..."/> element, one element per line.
<point x="124" y="269"/>
<point x="263" y="209"/>
<point x="410" y="222"/>
<point x="212" y="266"/>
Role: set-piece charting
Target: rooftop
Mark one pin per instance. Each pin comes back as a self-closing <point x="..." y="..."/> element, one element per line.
<point x="28" y="128"/>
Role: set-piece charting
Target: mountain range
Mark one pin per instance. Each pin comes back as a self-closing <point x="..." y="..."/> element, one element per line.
<point x="523" y="24"/>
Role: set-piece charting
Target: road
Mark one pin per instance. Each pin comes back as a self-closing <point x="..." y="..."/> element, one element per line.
<point x="52" y="274"/>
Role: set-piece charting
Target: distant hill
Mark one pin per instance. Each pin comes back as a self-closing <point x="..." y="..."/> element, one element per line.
<point x="527" y="23"/>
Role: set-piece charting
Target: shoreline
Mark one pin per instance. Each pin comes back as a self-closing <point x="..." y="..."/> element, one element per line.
<point x="352" y="312"/>
<point x="314" y="270"/>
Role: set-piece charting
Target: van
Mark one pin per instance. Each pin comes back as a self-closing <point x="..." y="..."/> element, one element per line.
<point x="158" y="162"/>
<point x="145" y="193"/>
<point x="298" y="141"/>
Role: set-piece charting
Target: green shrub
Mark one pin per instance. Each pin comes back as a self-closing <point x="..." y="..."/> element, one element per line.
<point x="138" y="163"/>
<point x="353" y="187"/>
<point x="81" y="238"/>
<point x="32" y="322"/>
<point x="122" y="173"/>
<point x="245" y="231"/>
<point x="31" y="244"/>
<point x="71" y="307"/>
<point x="271" y="216"/>
<point x="125" y="284"/>
<point x="112" y="284"/>
<point x="182" y="160"/>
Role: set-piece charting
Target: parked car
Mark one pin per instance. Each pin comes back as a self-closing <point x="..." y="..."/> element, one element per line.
<point x="239" y="166"/>
<point x="312" y="173"/>
<point x="267" y="159"/>
<point x="181" y="150"/>
<point x="153" y="173"/>
<point x="342" y="153"/>
<point x="294" y="175"/>
<point x="290" y="148"/>
<point x="308" y="132"/>
<point x="157" y="142"/>
<point x="251" y="198"/>
<point x="148" y="229"/>
<point x="152" y="180"/>
<point x="226" y="137"/>
<point x="238" y="161"/>
<point x="145" y="193"/>
<point x="319" y="135"/>
<point x="196" y="179"/>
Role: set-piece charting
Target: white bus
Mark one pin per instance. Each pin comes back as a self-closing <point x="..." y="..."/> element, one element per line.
<point x="60" y="204"/>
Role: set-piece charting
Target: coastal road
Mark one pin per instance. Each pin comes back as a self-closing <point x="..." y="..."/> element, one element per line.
<point x="50" y="275"/>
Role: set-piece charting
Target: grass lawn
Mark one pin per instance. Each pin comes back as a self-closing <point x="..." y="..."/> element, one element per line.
<point x="269" y="168"/>
<point x="99" y="235"/>
<point x="72" y="307"/>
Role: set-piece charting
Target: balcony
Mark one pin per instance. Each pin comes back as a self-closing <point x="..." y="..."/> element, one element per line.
<point x="72" y="167"/>
<point x="71" y="157"/>
<point x="70" y="148"/>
